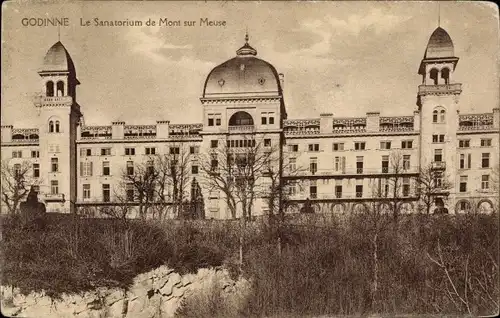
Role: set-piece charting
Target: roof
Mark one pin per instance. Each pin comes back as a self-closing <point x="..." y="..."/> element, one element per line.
<point x="242" y="76"/>
<point x="440" y="45"/>
<point x="58" y="59"/>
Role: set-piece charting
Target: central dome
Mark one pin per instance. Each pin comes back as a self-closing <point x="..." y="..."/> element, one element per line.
<point x="243" y="76"/>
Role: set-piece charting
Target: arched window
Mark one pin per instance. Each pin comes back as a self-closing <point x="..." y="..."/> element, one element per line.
<point x="51" y="126"/>
<point x="49" y="88"/>
<point x="442" y="114"/>
<point x="434" y="75"/>
<point x="445" y="74"/>
<point x="435" y="116"/>
<point x="60" y="88"/>
<point x="57" y="126"/>
<point x="241" y="119"/>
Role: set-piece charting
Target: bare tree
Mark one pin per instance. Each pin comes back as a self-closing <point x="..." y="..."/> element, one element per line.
<point x="236" y="169"/>
<point x="432" y="184"/>
<point x="173" y="177"/>
<point x="16" y="182"/>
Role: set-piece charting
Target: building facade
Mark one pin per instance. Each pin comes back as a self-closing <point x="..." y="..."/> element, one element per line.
<point x="332" y="164"/>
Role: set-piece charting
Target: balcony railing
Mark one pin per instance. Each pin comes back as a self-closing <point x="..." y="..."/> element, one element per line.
<point x="439" y="165"/>
<point x="476" y="127"/>
<point x="57" y="99"/>
<point x="53" y="197"/>
<point x="429" y="89"/>
<point x="242" y="128"/>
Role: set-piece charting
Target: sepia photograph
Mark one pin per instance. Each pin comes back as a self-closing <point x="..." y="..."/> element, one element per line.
<point x="249" y="159"/>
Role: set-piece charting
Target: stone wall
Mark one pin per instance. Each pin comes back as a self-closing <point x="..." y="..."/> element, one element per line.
<point x="158" y="293"/>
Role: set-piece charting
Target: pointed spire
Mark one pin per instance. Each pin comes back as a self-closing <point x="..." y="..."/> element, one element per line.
<point x="59" y="33"/>
<point x="439" y="14"/>
<point x="246" y="36"/>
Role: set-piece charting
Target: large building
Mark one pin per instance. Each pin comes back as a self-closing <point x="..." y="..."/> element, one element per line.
<point x="341" y="160"/>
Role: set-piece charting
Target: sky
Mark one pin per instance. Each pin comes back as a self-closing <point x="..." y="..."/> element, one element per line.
<point x="345" y="58"/>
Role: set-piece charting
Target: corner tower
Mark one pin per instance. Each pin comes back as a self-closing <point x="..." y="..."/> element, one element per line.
<point x="437" y="99"/>
<point x="58" y="116"/>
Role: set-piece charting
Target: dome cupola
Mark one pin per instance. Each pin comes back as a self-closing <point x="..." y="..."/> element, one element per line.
<point x="439" y="45"/>
<point x="243" y="76"/>
<point x="58" y="59"/>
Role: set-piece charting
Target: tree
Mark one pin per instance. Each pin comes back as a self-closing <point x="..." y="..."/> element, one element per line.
<point x="236" y="169"/>
<point x="16" y="182"/>
<point x="432" y="184"/>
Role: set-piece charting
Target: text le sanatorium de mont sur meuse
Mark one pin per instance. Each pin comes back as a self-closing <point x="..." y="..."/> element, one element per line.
<point x="98" y="22"/>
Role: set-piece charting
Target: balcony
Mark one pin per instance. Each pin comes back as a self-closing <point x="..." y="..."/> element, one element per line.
<point x="241" y="128"/>
<point x="438" y="89"/>
<point x="438" y="165"/>
<point x="359" y="170"/>
<point x="53" y="197"/>
<point x="385" y="169"/>
<point x="68" y="100"/>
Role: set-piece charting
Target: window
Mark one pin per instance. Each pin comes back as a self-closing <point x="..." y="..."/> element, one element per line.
<point x="35" y="154"/>
<point x="51" y="126"/>
<point x="338" y="146"/>
<point x="241" y="118"/>
<point x="36" y="170"/>
<point x="437" y="138"/>
<point x="60" y="88"/>
<point x="292" y="165"/>
<point x="385" y="145"/>
<point x="214" y="143"/>
<point x="359" y="164"/>
<point x="407" y="144"/>
<point x="385" y="164"/>
<point x="438" y="179"/>
<point x="54" y="164"/>
<point x="338" y="191"/>
<point x="267" y="118"/>
<point x="383" y="187"/>
<point x="130" y="168"/>
<point x="214" y="165"/>
<point x="54" y="187"/>
<point x="292" y="189"/>
<point x="438" y="155"/>
<point x="49" y="88"/>
<point x="130" y="192"/>
<point x="54" y="148"/>
<point x="89" y="152"/>
<point x="485" y="142"/>
<point x="435" y="116"/>
<point x="406" y="187"/>
<point x="267" y="142"/>
<point x="175" y="150"/>
<point x="194" y="150"/>
<point x="359" y="145"/>
<point x="463" y="184"/>
<point x="86" y="191"/>
<point x="150" y="168"/>
<point x="293" y="148"/>
<point x="485" y="160"/>
<point x="464" y="143"/>
<point x="129" y="151"/>
<point x="57" y="126"/>
<point x="485" y="182"/>
<point x="465" y="161"/>
<point x="314" y="147"/>
<point x="313" y="165"/>
<point x="150" y="151"/>
<point x="339" y="164"/>
<point x="214" y="119"/>
<point x="359" y="191"/>
<point x="17" y="170"/>
<point x="105" y="168"/>
<point x="194" y="169"/>
<point x="86" y="169"/>
<point x="442" y="114"/>
<point x="106" y="193"/>
<point x="406" y="162"/>
<point x="105" y="151"/>
<point x="17" y="154"/>
<point x="313" y="191"/>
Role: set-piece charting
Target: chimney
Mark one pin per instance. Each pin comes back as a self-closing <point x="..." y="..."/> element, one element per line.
<point x="7" y="133"/>
<point x="118" y="130"/>
<point x="416" y="120"/>
<point x="162" y="129"/>
<point x="325" y="123"/>
<point x="373" y="121"/>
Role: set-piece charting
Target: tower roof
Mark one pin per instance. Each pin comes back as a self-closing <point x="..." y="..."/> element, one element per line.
<point x="58" y="59"/>
<point x="440" y="45"/>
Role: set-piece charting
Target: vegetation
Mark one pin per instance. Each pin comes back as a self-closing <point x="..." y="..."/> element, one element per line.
<point x="426" y="264"/>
